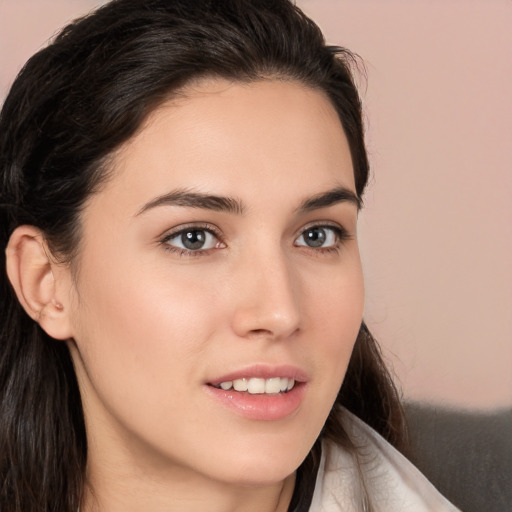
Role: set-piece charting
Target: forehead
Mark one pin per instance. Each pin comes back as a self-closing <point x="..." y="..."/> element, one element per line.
<point x="237" y="139"/>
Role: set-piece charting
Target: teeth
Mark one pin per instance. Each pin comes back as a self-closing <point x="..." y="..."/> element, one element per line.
<point x="255" y="385"/>
<point x="240" y="384"/>
<point x="273" y="385"/>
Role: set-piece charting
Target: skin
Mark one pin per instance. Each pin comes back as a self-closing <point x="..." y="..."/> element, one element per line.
<point x="150" y="326"/>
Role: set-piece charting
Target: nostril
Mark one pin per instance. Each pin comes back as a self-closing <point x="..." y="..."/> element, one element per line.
<point x="260" y="333"/>
<point x="270" y="334"/>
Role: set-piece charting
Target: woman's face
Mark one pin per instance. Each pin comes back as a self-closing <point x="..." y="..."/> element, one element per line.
<point x="220" y="254"/>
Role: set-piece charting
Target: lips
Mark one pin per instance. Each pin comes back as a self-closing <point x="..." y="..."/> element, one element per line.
<point x="261" y="392"/>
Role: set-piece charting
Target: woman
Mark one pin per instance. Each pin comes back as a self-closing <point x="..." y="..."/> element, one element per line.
<point x="182" y="303"/>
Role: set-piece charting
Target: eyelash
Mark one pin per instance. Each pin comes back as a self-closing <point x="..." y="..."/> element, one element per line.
<point x="340" y="233"/>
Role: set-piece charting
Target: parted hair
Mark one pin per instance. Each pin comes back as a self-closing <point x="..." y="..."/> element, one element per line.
<point x="72" y="105"/>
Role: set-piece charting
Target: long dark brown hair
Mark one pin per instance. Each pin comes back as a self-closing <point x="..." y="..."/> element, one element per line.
<point x="71" y="106"/>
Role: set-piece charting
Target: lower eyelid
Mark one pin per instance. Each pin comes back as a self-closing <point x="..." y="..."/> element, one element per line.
<point x="185" y="252"/>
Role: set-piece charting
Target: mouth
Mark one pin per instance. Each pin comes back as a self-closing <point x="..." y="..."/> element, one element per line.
<point x="257" y="385"/>
<point x="261" y="392"/>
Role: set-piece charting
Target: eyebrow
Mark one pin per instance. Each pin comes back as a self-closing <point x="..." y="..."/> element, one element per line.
<point x="330" y="198"/>
<point x="188" y="199"/>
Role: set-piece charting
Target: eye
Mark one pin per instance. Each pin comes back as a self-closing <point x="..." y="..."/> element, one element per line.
<point x="192" y="240"/>
<point x="321" y="237"/>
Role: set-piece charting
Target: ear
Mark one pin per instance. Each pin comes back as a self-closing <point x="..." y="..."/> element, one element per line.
<point x="32" y="274"/>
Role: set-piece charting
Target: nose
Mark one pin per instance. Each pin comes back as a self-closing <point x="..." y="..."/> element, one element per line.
<point x="267" y="298"/>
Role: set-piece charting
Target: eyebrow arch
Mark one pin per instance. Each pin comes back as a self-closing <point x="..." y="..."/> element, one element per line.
<point x="187" y="198"/>
<point x="330" y="198"/>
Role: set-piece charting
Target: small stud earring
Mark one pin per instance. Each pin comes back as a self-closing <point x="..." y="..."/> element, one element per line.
<point x="57" y="305"/>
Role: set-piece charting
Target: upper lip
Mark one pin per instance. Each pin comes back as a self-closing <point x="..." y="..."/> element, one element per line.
<point x="263" y="371"/>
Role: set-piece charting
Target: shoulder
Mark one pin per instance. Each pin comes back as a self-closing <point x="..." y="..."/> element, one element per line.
<point x="377" y="470"/>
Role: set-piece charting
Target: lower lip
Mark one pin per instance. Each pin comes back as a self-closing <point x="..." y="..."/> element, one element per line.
<point x="262" y="407"/>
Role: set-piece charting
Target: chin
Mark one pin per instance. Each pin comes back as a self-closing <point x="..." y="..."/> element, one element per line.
<point x="262" y="466"/>
<point x="258" y="476"/>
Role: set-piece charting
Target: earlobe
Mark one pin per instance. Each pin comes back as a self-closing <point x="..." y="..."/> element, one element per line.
<point x="31" y="272"/>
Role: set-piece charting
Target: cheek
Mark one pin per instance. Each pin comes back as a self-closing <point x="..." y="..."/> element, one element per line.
<point x="335" y="299"/>
<point x="337" y="313"/>
<point x="140" y="344"/>
<point x="138" y="328"/>
<point x="144" y="317"/>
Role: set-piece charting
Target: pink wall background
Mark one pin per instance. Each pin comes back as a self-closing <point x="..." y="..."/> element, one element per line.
<point x="436" y="232"/>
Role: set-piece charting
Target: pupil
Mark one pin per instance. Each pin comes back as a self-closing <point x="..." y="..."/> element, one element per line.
<point x="315" y="237"/>
<point x="193" y="239"/>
